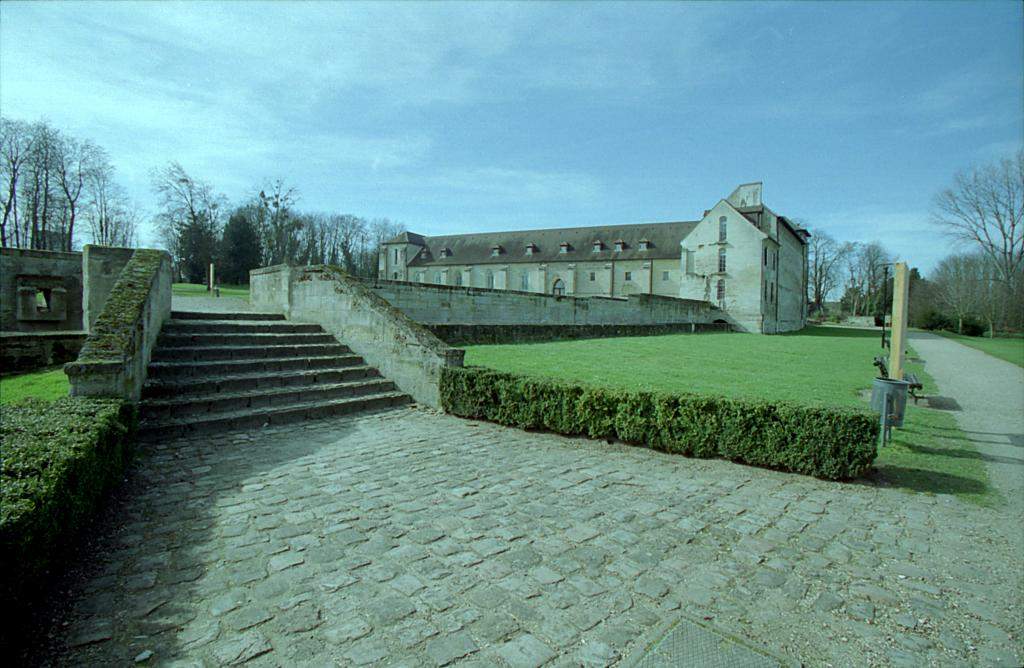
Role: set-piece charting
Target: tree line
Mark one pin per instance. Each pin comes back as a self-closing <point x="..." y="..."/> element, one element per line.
<point x="198" y="227"/>
<point x="53" y="184"/>
<point x="979" y="288"/>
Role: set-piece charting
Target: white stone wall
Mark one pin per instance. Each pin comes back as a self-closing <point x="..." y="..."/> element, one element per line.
<point x="743" y="276"/>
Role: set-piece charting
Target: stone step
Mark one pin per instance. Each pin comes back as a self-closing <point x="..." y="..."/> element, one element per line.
<point x="224" y="315"/>
<point x="201" y="370"/>
<point x="188" y="340"/>
<point x="241" y="353"/>
<point x="200" y="406"/>
<point x="238" y="327"/>
<point x="155" y="389"/>
<point x="256" y="418"/>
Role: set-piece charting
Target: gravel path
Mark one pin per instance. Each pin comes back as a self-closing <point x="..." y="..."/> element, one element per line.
<point x="990" y="393"/>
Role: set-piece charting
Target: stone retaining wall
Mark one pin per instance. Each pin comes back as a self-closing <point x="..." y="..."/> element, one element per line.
<point x="443" y="304"/>
<point x="25" y="351"/>
<point x="23" y="274"/>
<point x="404" y="351"/>
<point x="468" y="335"/>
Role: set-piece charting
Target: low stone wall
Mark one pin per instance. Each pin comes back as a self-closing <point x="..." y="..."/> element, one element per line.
<point x="468" y="335"/>
<point x="115" y="356"/>
<point x="404" y="351"/>
<point x="25" y="351"/>
<point x="443" y="304"/>
<point x="23" y="274"/>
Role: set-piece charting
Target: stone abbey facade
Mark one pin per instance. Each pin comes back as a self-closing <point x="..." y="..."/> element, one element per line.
<point x="740" y="256"/>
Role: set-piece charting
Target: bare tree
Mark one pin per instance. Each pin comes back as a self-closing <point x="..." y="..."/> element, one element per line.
<point x="111" y="218"/>
<point x="280" y="227"/>
<point x="985" y="208"/>
<point x="15" y="144"/>
<point x="74" y="160"/>
<point x="825" y="261"/>
<point x="958" y="285"/>
<point x="189" y="218"/>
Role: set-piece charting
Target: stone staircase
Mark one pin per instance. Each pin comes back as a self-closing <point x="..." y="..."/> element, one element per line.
<point x="216" y="372"/>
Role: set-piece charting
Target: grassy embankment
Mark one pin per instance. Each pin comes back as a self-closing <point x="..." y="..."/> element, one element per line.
<point x="818" y="366"/>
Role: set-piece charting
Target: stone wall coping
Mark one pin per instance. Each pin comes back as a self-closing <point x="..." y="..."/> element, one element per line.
<point x="34" y="252"/>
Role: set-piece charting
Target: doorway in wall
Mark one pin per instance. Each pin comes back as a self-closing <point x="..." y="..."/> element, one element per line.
<point x="558" y="287"/>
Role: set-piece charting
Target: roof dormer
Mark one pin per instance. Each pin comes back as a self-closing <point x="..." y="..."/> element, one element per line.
<point x="620" y="245"/>
<point x="598" y="246"/>
<point x="645" y="244"/>
<point x="496" y="250"/>
<point x="531" y="248"/>
<point x="445" y="252"/>
<point x="564" y="247"/>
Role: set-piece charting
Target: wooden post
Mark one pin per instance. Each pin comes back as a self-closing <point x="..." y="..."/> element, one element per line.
<point x="900" y="297"/>
<point x="210" y="288"/>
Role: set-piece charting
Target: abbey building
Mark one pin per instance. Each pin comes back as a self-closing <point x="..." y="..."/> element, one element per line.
<point x="740" y="256"/>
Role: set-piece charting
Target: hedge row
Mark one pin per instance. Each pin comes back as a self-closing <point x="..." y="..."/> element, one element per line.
<point x="831" y="443"/>
<point x="58" y="460"/>
<point x="111" y="334"/>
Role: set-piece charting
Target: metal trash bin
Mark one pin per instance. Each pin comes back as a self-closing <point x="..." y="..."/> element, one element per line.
<point x="889" y="398"/>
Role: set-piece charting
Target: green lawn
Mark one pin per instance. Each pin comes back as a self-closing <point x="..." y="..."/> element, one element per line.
<point x="197" y="290"/>
<point x="1008" y="348"/>
<point x="48" y="384"/>
<point x="818" y="366"/>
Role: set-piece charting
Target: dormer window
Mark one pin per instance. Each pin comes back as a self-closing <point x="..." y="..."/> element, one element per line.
<point x="598" y="246"/>
<point x="620" y="245"/>
<point x="446" y="252"/>
<point x="564" y="247"/>
<point x="645" y="244"/>
<point x="496" y="251"/>
<point x="531" y="249"/>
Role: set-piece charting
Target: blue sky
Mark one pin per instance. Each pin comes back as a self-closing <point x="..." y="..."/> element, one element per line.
<point x="457" y="118"/>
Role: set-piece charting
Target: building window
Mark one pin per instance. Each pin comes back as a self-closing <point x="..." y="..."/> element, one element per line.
<point x="593" y="276"/>
<point x="644" y="244"/>
<point x="598" y="246"/>
<point x="664" y="275"/>
<point x="772" y="293"/>
<point x="394" y="275"/>
<point x="495" y="251"/>
<point x="689" y="262"/>
<point x="421" y="277"/>
<point x="721" y="291"/>
<point x="437" y="278"/>
<point x="563" y="247"/>
<point x="531" y="248"/>
<point x="721" y="228"/>
<point x="458" y="278"/>
<point x="629" y="276"/>
<point x="526" y="283"/>
<point x="396" y="256"/>
<point x="619" y="245"/>
<point x="766" y="290"/>
<point x="765" y="249"/>
<point x="721" y="260"/>
<point x="558" y="287"/>
<point x="490" y="280"/>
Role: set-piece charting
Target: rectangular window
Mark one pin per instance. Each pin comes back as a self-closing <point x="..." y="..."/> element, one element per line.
<point x="689" y="262"/>
<point x="772" y="293"/>
<point x="396" y="256"/>
<point x="629" y="276"/>
<point x="765" y="249"/>
<point x="593" y="277"/>
<point x="664" y="275"/>
<point x="394" y="275"/>
<point x="526" y="283"/>
<point x="721" y="290"/>
<point x="721" y="229"/>
<point x="721" y="260"/>
<point x="458" y="278"/>
<point x="437" y="278"/>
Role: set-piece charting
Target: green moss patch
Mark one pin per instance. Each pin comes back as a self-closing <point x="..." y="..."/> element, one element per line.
<point x="111" y="336"/>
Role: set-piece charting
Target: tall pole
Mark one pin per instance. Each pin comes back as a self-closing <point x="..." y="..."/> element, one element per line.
<point x="885" y="298"/>
<point x="900" y="297"/>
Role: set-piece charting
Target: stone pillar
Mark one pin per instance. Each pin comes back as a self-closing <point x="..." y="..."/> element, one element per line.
<point x="570" y="280"/>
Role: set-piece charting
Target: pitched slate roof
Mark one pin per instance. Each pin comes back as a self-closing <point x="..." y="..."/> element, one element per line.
<point x="663" y="243"/>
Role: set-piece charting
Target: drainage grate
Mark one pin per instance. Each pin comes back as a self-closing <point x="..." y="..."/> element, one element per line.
<point x="687" y="643"/>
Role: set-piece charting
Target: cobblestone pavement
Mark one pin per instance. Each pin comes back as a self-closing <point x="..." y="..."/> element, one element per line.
<point x="415" y="538"/>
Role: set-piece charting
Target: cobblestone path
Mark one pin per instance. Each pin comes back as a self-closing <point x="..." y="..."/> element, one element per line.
<point x="415" y="538"/>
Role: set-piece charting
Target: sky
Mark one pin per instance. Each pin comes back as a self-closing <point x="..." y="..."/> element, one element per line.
<point x="490" y="116"/>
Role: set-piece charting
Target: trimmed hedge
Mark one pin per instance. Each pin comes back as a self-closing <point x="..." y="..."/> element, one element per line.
<point x="58" y="460"/>
<point x="831" y="443"/>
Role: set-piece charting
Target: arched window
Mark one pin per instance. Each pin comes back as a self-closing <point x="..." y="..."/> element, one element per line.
<point x="558" y="287"/>
<point x="721" y="228"/>
<point x="721" y="291"/>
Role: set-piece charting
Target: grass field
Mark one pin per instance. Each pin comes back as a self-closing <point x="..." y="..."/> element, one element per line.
<point x="818" y="366"/>
<point x="197" y="290"/>
<point x="48" y="384"/>
<point x="1010" y="349"/>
